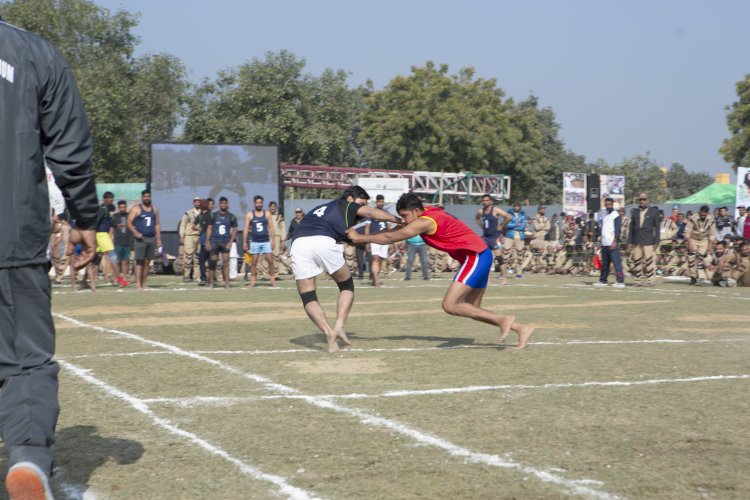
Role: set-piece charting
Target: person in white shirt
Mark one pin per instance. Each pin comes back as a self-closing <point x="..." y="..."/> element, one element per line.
<point x="611" y="227"/>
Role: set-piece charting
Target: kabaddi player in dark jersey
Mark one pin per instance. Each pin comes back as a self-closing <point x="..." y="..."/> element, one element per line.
<point x="317" y="248"/>
<point x="220" y="234"/>
<point x="443" y="231"/>
<point x="259" y="235"/>
<point x="488" y="217"/>
<point x="143" y="222"/>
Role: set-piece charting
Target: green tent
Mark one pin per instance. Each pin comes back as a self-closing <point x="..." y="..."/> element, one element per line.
<point x="715" y="194"/>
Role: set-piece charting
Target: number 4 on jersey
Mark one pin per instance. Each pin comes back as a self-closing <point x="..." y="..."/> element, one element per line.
<point x="319" y="212"/>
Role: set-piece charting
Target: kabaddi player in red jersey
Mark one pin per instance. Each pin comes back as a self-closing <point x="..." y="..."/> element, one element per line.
<point x="444" y="232"/>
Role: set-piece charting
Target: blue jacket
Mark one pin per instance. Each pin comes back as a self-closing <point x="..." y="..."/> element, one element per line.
<point x="517" y="223"/>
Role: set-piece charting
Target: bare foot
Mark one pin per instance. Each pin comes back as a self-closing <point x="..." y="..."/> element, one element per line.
<point x="252" y="284"/>
<point x="505" y="328"/>
<point x="333" y="346"/>
<point x="226" y="286"/>
<point x="524" y="332"/>
<point x="504" y="282"/>
<point x="273" y="283"/>
<point x="341" y="334"/>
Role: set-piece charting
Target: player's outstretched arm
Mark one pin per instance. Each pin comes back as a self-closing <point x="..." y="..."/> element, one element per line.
<point x="377" y="214"/>
<point x="417" y="226"/>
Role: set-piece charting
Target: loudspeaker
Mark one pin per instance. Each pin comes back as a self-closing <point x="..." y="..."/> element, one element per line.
<point x="593" y="195"/>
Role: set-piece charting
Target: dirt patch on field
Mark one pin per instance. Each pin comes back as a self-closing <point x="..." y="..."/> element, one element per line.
<point x="561" y="326"/>
<point x="727" y="330"/>
<point x="296" y="312"/>
<point x="182" y="307"/>
<point x="712" y="318"/>
<point x="349" y="366"/>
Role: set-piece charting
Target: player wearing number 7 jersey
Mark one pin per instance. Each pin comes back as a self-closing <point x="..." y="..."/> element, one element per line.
<point x="317" y="248"/>
<point x="143" y="222"/>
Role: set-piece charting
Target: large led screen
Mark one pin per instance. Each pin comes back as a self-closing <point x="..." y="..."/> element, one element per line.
<point x="180" y="172"/>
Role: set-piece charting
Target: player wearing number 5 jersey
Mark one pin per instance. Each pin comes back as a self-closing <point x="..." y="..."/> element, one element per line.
<point x="143" y="222"/>
<point x="317" y="248"/>
<point x="259" y="236"/>
<point x="220" y="234"/>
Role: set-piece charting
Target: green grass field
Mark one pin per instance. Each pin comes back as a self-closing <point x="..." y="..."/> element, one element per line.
<point x="183" y="392"/>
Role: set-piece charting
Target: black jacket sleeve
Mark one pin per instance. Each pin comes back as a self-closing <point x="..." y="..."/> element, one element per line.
<point x="67" y="141"/>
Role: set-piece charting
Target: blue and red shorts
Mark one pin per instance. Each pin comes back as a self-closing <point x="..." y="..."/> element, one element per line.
<point x="475" y="270"/>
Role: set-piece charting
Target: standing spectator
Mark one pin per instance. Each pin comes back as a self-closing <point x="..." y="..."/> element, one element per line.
<point x="644" y="241"/>
<point x="220" y="233"/>
<point x="104" y="245"/>
<point x="681" y="224"/>
<point x="491" y="219"/>
<point x="201" y="222"/>
<point x="279" y="239"/>
<point x="58" y="245"/>
<point x="190" y="236"/>
<point x="555" y="233"/>
<point x="513" y="244"/>
<point x="259" y="236"/>
<point x="700" y="233"/>
<point x="675" y="213"/>
<point x="741" y="218"/>
<point x="667" y="232"/>
<point x="378" y="253"/>
<point x="611" y="228"/>
<point x="724" y="223"/>
<point x="143" y="221"/>
<point x="41" y="118"/>
<point x="123" y="238"/>
<point x="415" y="245"/>
<point x="298" y="216"/>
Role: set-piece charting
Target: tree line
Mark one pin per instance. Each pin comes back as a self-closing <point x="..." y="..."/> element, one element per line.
<point x="429" y="119"/>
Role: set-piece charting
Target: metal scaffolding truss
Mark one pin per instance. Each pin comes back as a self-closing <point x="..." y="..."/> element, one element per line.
<point x="426" y="183"/>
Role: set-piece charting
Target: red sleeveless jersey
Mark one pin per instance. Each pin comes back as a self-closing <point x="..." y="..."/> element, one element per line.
<point x="451" y="235"/>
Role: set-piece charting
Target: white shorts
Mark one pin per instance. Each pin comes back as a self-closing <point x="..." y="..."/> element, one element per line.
<point x="379" y="250"/>
<point x="312" y="255"/>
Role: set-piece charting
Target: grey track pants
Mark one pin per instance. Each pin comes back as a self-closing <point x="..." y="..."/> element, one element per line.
<point x="28" y="397"/>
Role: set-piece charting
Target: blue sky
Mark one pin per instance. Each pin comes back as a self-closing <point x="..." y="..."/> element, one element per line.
<point x="622" y="77"/>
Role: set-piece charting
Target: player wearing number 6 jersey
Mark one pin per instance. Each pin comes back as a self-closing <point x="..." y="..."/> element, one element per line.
<point x="143" y="222"/>
<point x="259" y="236"/>
<point x="443" y="231"/>
<point x="220" y="233"/>
<point x="317" y="248"/>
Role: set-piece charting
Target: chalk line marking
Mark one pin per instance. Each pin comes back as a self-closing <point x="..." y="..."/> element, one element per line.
<point x="281" y="482"/>
<point x="577" y="487"/>
<point x="228" y="400"/>
<point x="259" y="352"/>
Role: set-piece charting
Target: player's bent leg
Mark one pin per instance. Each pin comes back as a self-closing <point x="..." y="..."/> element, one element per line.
<point x="306" y="289"/>
<point x="345" y="282"/>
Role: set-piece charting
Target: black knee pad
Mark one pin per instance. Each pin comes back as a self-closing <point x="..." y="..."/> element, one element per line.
<point x="308" y="297"/>
<point x="140" y="262"/>
<point x="347" y="284"/>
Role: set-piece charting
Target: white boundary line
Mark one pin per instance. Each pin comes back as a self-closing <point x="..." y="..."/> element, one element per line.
<point x="258" y="352"/>
<point x="138" y="404"/>
<point x="578" y="487"/>
<point x="213" y="400"/>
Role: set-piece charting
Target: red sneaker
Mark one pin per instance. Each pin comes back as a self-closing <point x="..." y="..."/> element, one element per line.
<point x="26" y="481"/>
<point x="122" y="281"/>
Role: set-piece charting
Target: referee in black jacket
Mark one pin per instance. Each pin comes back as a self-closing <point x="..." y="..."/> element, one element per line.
<point x="41" y="118"/>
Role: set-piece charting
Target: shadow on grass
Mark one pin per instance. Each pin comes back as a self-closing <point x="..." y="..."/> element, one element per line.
<point x="80" y="450"/>
<point x="318" y="341"/>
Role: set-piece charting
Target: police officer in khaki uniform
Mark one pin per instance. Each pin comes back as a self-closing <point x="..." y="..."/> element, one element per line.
<point x="700" y="234"/>
<point x="190" y="246"/>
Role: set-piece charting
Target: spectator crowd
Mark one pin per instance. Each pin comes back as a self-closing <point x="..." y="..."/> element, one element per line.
<point x="709" y="247"/>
